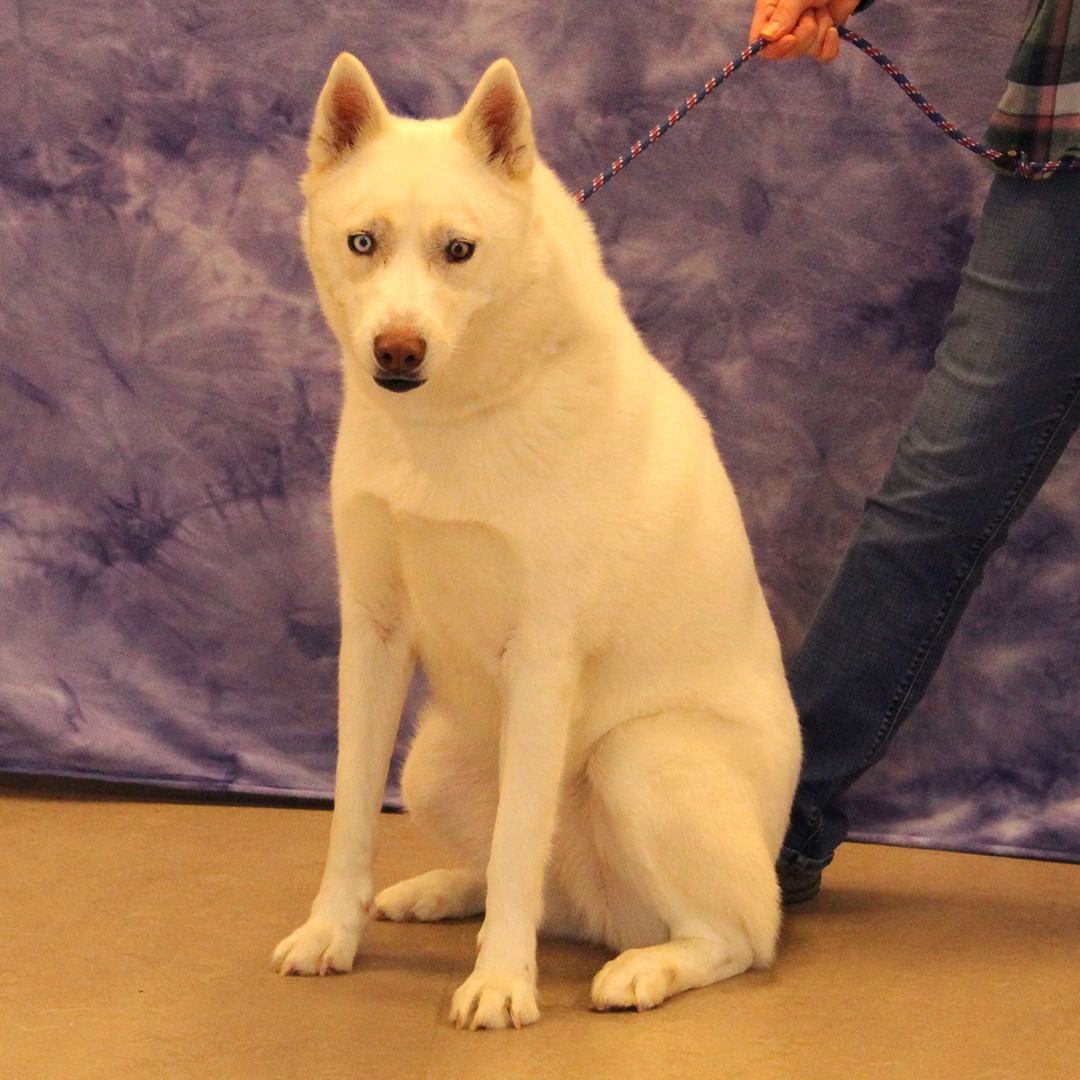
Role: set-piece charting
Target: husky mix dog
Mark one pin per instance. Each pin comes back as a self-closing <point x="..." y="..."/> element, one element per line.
<point x="526" y="503"/>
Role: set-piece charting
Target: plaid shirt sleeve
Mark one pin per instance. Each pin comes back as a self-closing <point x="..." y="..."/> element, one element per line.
<point x="1039" y="114"/>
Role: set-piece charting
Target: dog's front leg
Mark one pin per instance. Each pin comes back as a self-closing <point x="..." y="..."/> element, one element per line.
<point x="373" y="678"/>
<point x="540" y="690"/>
<point x="375" y="665"/>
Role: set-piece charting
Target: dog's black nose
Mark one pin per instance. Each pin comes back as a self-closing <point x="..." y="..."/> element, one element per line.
<point x="399" y="351"/>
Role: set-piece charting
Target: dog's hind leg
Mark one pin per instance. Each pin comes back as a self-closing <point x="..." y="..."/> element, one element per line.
<point x="642" y="978"/>
<point x="450" y="791"/>
<point x="438" y="894"/>
<point x="676" y="807"/>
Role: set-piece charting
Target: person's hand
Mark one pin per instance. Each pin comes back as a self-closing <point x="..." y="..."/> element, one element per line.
<point x="800" y="27"/>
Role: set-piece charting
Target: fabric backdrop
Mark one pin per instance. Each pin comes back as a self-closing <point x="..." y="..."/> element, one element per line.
<point x="168" y="391"/>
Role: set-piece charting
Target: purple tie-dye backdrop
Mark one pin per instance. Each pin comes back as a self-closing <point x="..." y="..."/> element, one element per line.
<point x="168" y="389"/>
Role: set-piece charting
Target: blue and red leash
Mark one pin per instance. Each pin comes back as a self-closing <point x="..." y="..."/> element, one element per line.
<point x="1018" y="163"/>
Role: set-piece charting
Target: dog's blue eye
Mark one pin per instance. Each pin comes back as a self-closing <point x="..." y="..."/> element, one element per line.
<point x="459" y="250"/>
<point x="361" y="243"/>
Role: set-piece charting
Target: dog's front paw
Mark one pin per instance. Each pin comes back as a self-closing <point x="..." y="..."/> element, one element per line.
<point x="319" y="947"/>
<point x="491" y="999"/>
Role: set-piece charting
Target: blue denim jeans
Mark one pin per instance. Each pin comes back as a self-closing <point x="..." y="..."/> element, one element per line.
<point x="994" y="415"/>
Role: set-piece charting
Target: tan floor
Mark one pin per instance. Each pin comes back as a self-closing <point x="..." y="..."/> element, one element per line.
<point x="136" y="937"/>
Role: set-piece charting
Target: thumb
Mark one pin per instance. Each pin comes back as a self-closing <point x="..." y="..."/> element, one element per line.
<point x="786" y="14"/>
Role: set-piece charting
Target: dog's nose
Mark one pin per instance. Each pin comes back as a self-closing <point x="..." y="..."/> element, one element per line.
<point x="399" y="350"/>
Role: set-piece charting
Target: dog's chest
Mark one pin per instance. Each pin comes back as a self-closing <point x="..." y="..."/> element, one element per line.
<point x="464" y="583"/>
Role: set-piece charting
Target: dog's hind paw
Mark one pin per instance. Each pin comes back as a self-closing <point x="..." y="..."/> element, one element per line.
<point x="493" y="1000"/>
<point x="636" y="979"/>
<point x="319" y="947"/>
<point x="440" y="894"/>
<point x="642" y="978"/>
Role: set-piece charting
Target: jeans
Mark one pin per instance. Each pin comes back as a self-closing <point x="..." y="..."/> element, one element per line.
<point x="993" y="417"/>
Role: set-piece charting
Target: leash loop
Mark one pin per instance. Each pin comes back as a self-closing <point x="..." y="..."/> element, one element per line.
<point x="1018" y="163"/>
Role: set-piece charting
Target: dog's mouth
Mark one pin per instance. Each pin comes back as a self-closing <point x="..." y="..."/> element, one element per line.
<point x="398" y="384"/>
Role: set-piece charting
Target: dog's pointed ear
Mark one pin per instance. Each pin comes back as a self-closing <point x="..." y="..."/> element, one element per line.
<point x="348" y="114"/>
<point x="497" y="124"/>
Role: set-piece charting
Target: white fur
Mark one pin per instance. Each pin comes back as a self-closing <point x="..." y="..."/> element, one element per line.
<point x="545" y="524"/>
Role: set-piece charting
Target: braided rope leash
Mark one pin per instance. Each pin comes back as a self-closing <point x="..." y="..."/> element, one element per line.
<point x="1019" y="163"/>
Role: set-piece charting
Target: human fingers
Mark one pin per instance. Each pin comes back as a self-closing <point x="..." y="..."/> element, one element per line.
<point x="763" y="10"/>
<point x="831" y="49"/>
<point x="824" y="25"/>
<point x="801" y="41"/>
<point x="791" y="26"/>
<point x="842" y="10"/>
<point x="786" y="16"/>
<point x="763" y="13"/>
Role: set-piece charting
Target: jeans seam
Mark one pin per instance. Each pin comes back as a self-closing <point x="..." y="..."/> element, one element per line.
<point x="971" y="563"/>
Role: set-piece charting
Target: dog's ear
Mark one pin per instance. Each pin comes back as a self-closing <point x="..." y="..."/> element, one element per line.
<point x="497" y="124"/>
<point x="349" y="112"/>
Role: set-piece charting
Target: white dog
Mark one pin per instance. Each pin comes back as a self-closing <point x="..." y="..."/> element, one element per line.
<point x="542" y="521"/>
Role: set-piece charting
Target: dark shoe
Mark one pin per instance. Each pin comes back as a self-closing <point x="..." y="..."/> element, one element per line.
<point x="798" y="886"/>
